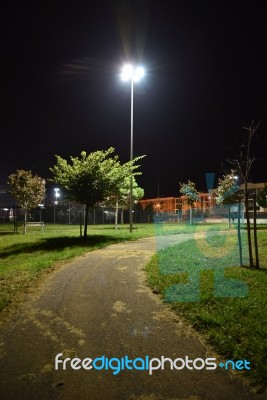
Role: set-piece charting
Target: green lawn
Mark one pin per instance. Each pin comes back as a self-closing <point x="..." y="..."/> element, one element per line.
<point x="236" y="326"/>
<point x="24" y="258"/>
<point x="227" y="303"/>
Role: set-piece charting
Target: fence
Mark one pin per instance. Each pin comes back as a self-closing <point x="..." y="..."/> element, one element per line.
<point x="70" y="213"/>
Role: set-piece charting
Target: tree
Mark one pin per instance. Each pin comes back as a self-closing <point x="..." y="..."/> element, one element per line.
<point x="228" y="192"/>
<point x="92" y="178"/>
<point x="28" y="190"/>
<point x="242" y="164"/>
<point x="124" y="193"/>
<point x="191" y="195"/>
<point x="120" y="199"/>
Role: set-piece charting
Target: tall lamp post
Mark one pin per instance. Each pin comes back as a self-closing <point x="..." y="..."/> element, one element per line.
<point x="132" y="74"/>
<point x="56" y="190"/>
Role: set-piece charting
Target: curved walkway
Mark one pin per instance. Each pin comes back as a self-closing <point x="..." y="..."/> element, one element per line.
<point x="98" y="305"/>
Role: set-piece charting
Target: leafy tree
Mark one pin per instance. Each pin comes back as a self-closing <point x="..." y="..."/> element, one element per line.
<point x="93" y="177"/>
<point x="28" y="190"/>
<point x="124" y="193"/>
<point x="191" y="195"/>
<point x="227" y="191"/>
<point x="124" y="190"/>
<point x="120" y="199"/>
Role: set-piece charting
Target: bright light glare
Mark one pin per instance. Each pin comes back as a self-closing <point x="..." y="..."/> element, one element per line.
<point x="129" y="72"/>
<point x="57" y="194"/>
<point x="138" y="74"/>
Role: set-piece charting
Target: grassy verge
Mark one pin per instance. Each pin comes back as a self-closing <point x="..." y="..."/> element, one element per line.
<point x="230" y="303"/>
<point x="24" y="258"/>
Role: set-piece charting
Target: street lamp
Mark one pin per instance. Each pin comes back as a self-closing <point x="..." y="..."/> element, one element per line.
<point x="56" y="190"/>
<point x="133" y="74"/>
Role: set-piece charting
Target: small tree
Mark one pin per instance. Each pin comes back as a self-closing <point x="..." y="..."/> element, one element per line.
<point x="28" y="190"/>
<point x="121" y="198"/>
<point x="228" y="192"/>
<point x="189" y="190"/>
<point x="92" y="178"/>
<point x="124" y="193"/>
<point x="242" y="164"/>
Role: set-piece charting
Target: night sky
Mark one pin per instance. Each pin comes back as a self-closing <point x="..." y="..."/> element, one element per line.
<point x="206" y="78"/>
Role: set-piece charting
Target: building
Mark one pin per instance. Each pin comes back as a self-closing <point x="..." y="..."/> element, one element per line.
<point x="173" y="204"/>
<point x="205" y="204"/>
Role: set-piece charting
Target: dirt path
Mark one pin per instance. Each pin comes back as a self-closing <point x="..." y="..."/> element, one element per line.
<point x="98" y="305"/>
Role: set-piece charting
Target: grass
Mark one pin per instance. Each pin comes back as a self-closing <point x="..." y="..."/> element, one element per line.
<point x="236" y="326"/>
<point x="225" y="302"/>
<point x="25" y="258"/>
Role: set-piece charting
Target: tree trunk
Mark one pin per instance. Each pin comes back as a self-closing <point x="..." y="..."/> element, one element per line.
<point x="116" y="213"/>
<point x="86" y="221"/>
<point x="239" y="233"/>
<point x="248" y="230"/>
<point x="255" y="232"/>
<point x="81" y="225"/>
<point x="25" y="222"/>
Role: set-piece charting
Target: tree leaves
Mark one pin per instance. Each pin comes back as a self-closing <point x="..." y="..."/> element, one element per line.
<point x="227" y="191"/>
<point x="91" y="178"/>
<point x="28" y="189"/>
<point x="189" y="190"/>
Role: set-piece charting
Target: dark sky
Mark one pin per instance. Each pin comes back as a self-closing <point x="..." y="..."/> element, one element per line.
<point x="206" y="78"/>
